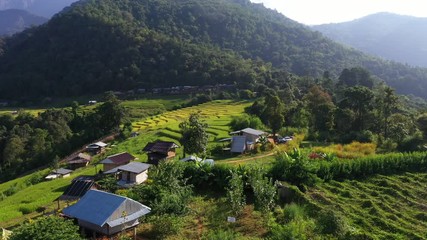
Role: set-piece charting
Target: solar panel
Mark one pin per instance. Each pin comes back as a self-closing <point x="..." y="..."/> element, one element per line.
<point x="78" y="188"/>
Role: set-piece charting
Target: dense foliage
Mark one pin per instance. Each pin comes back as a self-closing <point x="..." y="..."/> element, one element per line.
<point x="100" y="45"/>
<point x="28" y="142"/>
<point x="194" y="136"/>
<point x="47" y="228"/>
<point x="167" y="191"/>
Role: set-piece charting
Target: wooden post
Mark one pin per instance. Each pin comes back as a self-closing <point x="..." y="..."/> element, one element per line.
<point x="134" y="233"/>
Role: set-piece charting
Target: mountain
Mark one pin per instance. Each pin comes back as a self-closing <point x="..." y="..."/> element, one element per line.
<point x="14" y="20"/>
<point x="99" y="45"/>
<point x="45" y="8"/>
<point x="391" y="36"/>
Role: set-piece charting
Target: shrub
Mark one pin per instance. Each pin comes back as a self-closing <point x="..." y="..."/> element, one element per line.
<point x="165" y="225"/>
<point x="265" y="191"/>
<point x="47" y="228"/>
<point x="26" y="209"/>
<point x="294" y="168"/>
<point x="34" y="179"/>
<point x="292" y="212"/>
<point x="330" y="222"/>
<point x="246" y="121"/>
<point x="235" y="193"/>
<point x="298" y="229"/>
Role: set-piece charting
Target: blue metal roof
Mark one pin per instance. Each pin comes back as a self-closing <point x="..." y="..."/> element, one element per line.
<point x="97" y="207"/>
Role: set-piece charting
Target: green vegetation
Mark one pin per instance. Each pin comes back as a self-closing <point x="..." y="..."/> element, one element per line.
<point x="192" y="201"/>
<point x="47" y="228"/>
<point x="28" y="142"/>
<point x="151" y="43"/>
<point x="380" y="207"/>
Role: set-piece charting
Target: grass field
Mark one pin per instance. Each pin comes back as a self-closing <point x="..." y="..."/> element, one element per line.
<point x="384" y="207"/>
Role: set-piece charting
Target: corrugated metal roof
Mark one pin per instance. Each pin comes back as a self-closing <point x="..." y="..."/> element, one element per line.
<point x="238" y="144"/>
<point x="160" y="147"/>
<point x="251" y="131"/>
<point x="135" y="167"/>
<point x="101" y="208"/>
<point x="119" y="158"/>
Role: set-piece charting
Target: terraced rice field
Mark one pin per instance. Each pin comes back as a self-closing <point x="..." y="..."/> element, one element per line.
<point x="217" y="114"/>
<point x="384" y="207"/>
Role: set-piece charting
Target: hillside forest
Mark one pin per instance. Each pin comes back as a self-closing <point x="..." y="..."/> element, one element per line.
<point x="97" y="46"/>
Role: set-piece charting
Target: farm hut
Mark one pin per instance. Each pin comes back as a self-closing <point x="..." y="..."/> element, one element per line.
<point x="160" y="150"/>
<point x="59" y="173"/>
<point x="252" y="135"/>
<point x="245" y="139"/>
<point x="238" y="144"/>
<point x="95" y="148"/>
<point x="106" y="213"/>
<point x="131" y="174"/>
<point x="79" y="186"/>
<point x="78" y="161"/>
<point x="116" y="160"/>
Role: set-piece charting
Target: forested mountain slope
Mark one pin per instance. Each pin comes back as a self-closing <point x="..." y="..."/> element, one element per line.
<point x="45" y="8"/>
<point x="392" y="36"/>
<point x="99" y="45"/>
<point x="14" y="20"/>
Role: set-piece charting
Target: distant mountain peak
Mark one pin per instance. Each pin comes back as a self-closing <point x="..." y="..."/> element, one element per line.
<point x="391" y="36"/>
<point x="45" y="8"/>
<point x="16" y="20"/>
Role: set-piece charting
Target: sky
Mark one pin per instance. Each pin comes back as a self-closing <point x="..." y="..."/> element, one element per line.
<point x="312" y="12"/>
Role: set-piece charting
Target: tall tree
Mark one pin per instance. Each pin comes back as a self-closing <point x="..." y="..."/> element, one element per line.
<point x="387" y="104"/>
<point x="273" y="114"/>
<point x="110" y="114"/>
<point x="194" y="136"/>
<point x="360" y="100"/>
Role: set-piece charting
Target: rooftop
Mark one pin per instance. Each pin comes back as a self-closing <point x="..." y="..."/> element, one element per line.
<point x="160" y="147"/>
<point x="249" y="131"/>
<point x="133" y="167"/>
<point x="119" y="158"/>
<point x="100" y="208"/>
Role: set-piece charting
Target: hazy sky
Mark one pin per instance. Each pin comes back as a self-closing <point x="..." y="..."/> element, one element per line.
<point x="328" y="11"/>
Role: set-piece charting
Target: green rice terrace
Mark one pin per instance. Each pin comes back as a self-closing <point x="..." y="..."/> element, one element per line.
<point x="383" y="207"/>
<point x="376" y="207"/>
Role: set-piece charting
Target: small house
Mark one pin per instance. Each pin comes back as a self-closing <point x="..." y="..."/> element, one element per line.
<point x="245" y="139"/>
<point x="59" y="173"/>
<point x="107" y="214"/>
<point x="78" y="188"/>
<point x="78" y="161"/>
<point x="160" y="150"/>
<point x="131" y="174"/>
<point x="116" y="160"/>
<point x="95" y="148"/>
